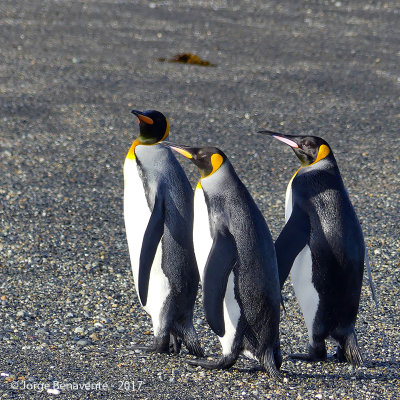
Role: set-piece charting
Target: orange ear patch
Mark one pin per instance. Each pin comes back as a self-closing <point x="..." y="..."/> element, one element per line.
<point x="322" y="153"/>
<point x="216" y="161"/>
<point x="145" y="119"/>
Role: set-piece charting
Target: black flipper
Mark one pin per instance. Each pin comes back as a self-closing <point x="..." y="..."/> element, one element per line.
<point x="221" y="260"/>
<point x="291" y="241"/>
<point x="151" y="239"/>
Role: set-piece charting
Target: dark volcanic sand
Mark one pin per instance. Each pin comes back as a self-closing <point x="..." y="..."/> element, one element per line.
<point x="71" y="71"/>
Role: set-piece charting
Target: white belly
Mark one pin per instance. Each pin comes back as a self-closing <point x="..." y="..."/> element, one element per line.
<point x="288" y="201"/>
<point x="202" y="245"/>
<point x="306" y="294"/>
<point x="231" y="316"/>
<point x="301" y="274"/>
<point x="137" y="215"/>
<point x="202" y="239"/>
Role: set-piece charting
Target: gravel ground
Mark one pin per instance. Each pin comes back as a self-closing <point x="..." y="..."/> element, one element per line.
<point x="70" y="73"/>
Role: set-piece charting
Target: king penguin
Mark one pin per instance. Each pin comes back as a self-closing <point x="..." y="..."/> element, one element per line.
<point x="237" y="264"/>
<point x="158" y="213"/>
<point x="322" y="246"/>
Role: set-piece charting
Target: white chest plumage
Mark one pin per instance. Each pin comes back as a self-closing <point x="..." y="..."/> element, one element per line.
<point x="202" y="245"/>
<point x="288" y="200"/>
<point x="202" y="239"/>
<point x="301" y="274"/>
<point x="137" y="215"/>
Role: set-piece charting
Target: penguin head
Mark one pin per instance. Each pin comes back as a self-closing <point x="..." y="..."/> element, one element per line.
<point x="153" y="125"/>
<point x="308" y="149"/>
<point x="207" y="159"/>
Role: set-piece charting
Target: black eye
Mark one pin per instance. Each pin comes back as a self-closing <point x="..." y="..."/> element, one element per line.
<point x="201" y="155"/>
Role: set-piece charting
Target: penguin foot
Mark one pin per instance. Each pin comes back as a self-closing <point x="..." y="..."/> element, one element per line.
<point x="151" y="349"/>
<point x="161" y="344"/>
<point x="192" y="343"/>
<point x="340" y="354"/>
<point x="301" y="356"/>
<point x="189" y="337"/>
<point x="204" y="363"/>
<point x="350" y="351"/>
<point x="314" y="354"/>
<point x="306" y="357"/>
<point x="273" y="373"/>
<point x="224" y="362"/>
<point x="175" y="344"/>
<point x="195" y="348"/>
<point x="272" y="363"/>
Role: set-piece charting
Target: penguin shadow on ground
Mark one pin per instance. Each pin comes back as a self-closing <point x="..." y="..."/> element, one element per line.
<point x="367" y="371"/>
<point x="243" y="365"/>
<point x="393" y="366"/>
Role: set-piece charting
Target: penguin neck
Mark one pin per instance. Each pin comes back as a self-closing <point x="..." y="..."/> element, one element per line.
<point x="220" y="177"/>
<point x="148" y="160"/>
<point x="294" y="175"/>
<point x="324" y="158"/>
<point x="131" y="153"/>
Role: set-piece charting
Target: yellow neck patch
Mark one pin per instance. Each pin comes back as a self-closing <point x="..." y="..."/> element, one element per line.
<point x="294" y="176"/>
<point x="131" y="152"/>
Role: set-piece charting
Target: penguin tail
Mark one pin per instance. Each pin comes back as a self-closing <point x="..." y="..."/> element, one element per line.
<point x="193" y="345"/>
<point x="352" y="351"/>
<point x="190" y="338"/>
<point x="270" y="365"/>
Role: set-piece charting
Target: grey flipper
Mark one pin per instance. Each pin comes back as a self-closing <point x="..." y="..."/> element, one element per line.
<point x="151" y="239"/>
<point x="294" y="236"/>
<point x="371" y="283"/>
<point x="220" y="262"/>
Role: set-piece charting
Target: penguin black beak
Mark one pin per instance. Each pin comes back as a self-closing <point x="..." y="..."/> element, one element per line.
<point x="142" y="118"/>
<point x="283" y="138"/>
<point x="179" y="148"/>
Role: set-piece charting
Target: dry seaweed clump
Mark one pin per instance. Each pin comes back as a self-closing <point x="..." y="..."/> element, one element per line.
<point x="188" y="58"/>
